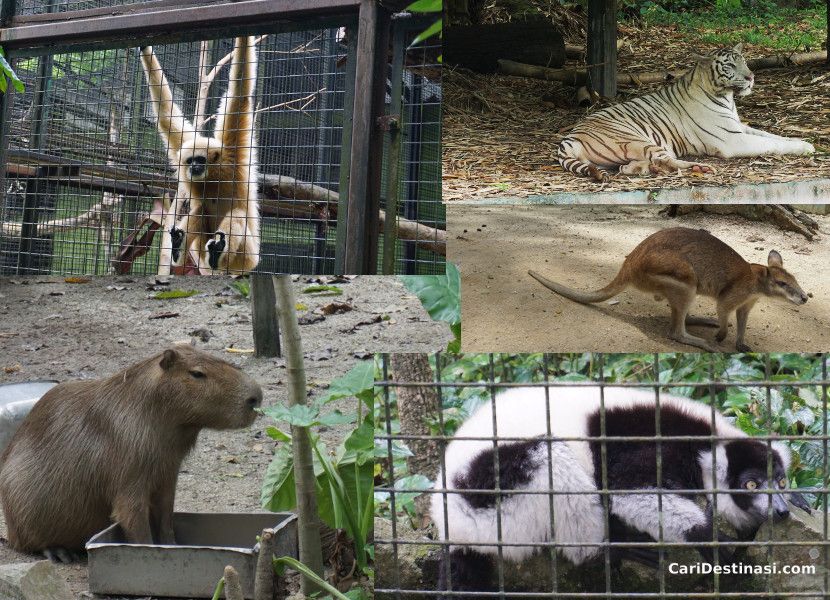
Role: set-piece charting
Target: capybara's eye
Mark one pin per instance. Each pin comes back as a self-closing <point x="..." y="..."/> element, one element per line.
<point x="197" y="374"/>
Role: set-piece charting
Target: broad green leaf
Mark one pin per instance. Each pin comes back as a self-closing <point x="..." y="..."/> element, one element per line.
<point x="434" y="29"/>
<point x="425" y="6"/>
<point x="277" y="434"/>
<point x="440" y="294"/>
<point x="300" y="415"/>
<point x="359" y="379"/>
<point x="337" y="418"/>
<point x="278" y="491"/>
<point x="6" y="68"/>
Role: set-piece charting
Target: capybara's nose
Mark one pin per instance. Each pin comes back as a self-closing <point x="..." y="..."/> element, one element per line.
<point x="255" y="399"/>
<point x="803" y="298"/>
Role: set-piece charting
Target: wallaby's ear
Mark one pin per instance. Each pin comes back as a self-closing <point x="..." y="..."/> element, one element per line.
<point x="774" y="259"/>
<point x="168" y="359"/>
<point x="739" y="48"/>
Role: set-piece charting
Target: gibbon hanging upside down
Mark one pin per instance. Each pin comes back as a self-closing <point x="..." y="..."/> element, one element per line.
<point x="217" y="191"/>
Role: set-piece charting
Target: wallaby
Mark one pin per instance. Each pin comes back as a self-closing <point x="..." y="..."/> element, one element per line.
<point x="679" y="263"/>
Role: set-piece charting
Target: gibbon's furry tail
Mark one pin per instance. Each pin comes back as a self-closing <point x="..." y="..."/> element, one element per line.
<point x="569" y="159"/>
<point x="619" y="283"/>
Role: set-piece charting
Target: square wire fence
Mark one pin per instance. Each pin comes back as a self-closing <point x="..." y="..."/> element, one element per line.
<point x="579" y="486"/>
<point x="86" y="168"/>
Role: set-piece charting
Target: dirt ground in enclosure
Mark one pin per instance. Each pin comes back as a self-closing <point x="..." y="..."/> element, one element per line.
<point x="500" y="132"/>
<point x="50" y="329"/>
<point x="505" y="310"/>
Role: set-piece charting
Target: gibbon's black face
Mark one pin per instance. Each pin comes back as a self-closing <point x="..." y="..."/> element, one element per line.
<point x="747" y="471"/>
<point x="196" y="166"/>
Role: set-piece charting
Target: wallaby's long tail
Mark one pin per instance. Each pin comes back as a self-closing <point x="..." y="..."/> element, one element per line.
<point x="609" y="291"/>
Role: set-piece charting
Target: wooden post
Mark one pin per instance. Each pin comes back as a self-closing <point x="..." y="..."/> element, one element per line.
<point x="264" y="315"/>
<point x="394" y="122"/>
<point x="601" y="54"/>
<point x="367" y="139"/>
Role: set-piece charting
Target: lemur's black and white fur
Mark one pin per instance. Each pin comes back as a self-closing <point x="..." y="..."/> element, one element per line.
<point x="741" y="464"/>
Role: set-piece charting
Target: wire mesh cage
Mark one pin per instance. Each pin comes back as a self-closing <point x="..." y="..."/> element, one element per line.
<point x="602" y="476"/>
<point x="89" y="187"/>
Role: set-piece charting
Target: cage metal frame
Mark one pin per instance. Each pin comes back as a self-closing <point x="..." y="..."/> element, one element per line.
<point x="384" y="436"/>
<point x="369" y="24"/>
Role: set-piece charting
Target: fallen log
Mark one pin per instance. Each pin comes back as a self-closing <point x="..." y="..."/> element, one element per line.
<point x="578" y="77"/>
<point x="322" y="202"/>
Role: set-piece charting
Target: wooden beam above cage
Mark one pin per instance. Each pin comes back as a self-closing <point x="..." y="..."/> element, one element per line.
<point x="158" y="18"/>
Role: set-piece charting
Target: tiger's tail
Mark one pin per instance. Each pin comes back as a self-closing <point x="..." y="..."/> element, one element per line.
<point x="570" y="154"/>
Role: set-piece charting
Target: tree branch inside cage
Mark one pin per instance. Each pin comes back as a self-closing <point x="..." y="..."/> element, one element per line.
<point x="280" y="195"/>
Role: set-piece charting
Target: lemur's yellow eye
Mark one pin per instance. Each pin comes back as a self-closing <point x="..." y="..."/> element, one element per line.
<point x="751" y="485"/>
<point x="782" y="483"/>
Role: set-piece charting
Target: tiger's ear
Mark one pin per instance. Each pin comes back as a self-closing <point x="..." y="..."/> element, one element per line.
<point x="701" y="58"/>
<point x="739" y="48"/>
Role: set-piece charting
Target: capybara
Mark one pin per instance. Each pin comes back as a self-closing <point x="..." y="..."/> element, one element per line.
<point x="94" y="452"/>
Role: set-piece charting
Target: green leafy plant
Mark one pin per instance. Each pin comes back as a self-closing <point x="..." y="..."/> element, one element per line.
<point x="283" y="562"/>
<point x="344" y="476"/>
<point x="7" y="73"/>
<point x="427" y="6"/>
<point x="441" y="297"/>
<point x="286" y="561"/>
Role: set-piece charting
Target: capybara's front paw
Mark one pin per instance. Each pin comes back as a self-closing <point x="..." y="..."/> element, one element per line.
<point x="215" y="247"/>
<point x="58" y="554"/>
<point x="176" y="239"/>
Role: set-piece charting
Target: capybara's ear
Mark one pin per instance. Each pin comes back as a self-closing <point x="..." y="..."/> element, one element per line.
<point x="774" y="259"/>
<point x="169" y="359"/>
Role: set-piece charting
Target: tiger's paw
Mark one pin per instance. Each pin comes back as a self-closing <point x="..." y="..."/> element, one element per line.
<point x="599" y="175"/>
<point x="807" y="148"/>
<point x="701" y="168"/>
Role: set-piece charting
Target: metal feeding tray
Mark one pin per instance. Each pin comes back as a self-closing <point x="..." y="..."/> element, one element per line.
<point x="207" y="542"/>
<point x="16" y="400"/>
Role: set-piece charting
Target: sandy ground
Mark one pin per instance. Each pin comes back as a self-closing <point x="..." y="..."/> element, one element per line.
<point x="505" y="310"/>
<point x="50" y="329"/>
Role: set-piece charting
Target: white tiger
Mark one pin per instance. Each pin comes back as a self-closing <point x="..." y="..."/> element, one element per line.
<point x="693" y="116"/>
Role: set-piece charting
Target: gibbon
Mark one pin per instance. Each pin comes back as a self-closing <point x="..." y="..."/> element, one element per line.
<point x="216" y="200"/>
<point x="738" y="475"/>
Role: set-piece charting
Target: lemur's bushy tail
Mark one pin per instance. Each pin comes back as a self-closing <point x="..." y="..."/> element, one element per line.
<point x="568" y="153"/>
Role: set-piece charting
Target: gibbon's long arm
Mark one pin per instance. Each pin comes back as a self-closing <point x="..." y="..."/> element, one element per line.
<point x="235" y="119"/>
<point x="172" y="124"/>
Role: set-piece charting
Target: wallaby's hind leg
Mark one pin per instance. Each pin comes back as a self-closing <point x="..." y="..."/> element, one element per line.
<point x="701" y="321"/>
<point x="680" y="296"/>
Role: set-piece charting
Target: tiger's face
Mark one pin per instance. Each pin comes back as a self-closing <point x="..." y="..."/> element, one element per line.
<point x="730" y="72"/>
